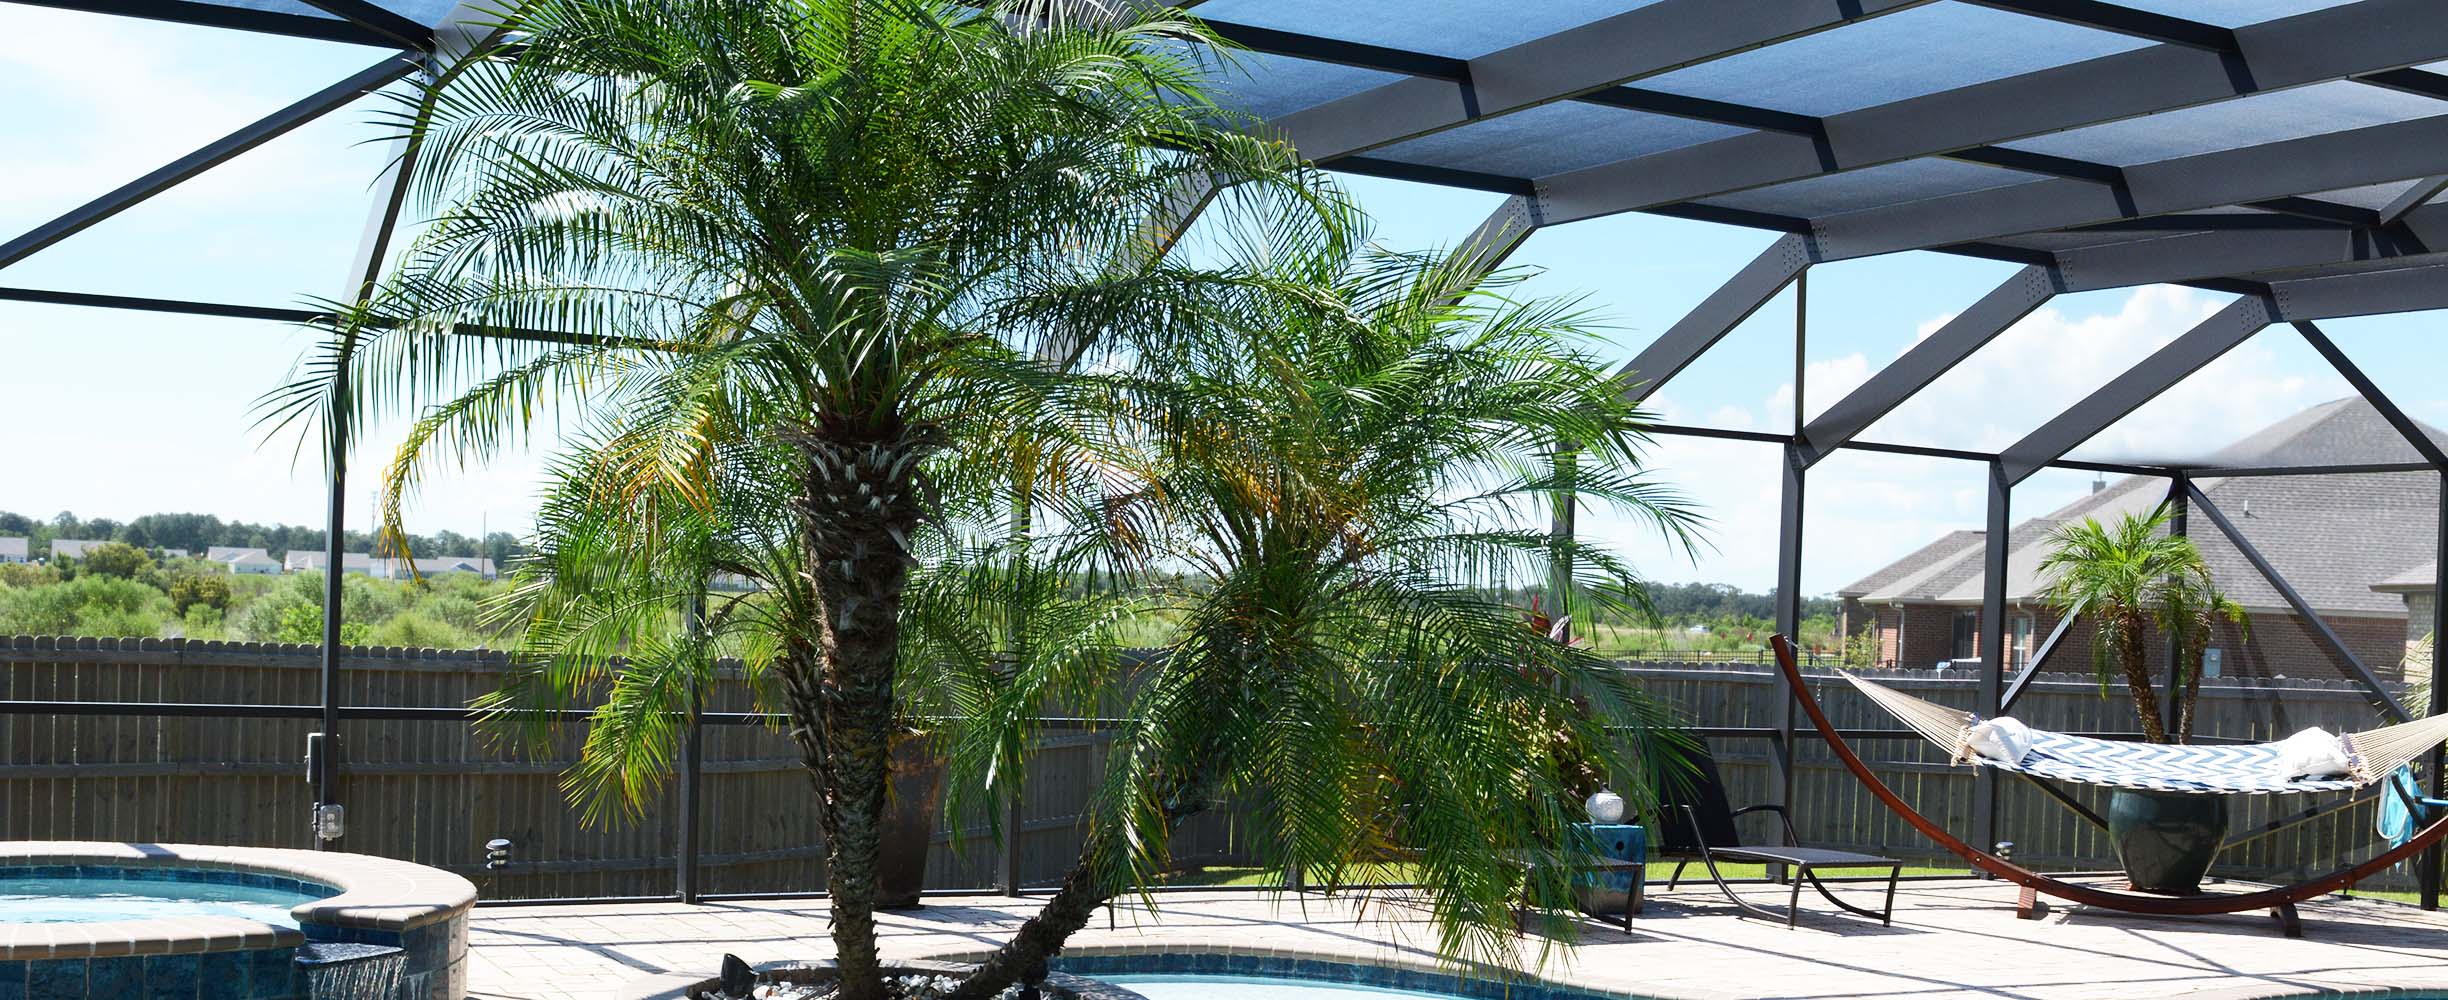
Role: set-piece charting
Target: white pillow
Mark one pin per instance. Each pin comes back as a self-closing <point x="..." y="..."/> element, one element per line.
<point x="2312" y="753"/>
<point x="2002" y="739"/>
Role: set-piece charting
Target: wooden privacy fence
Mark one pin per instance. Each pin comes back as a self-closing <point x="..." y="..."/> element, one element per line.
<point x="433" y="789"/>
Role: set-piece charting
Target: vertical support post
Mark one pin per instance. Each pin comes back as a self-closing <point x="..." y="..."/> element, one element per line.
<point x="692" y="762"/>
<point x="2429" y="873"/>
<point x="1788" y="617"/>
<point x="1560" y="527"/>
<point x="1989" y="701"/>
<point x="335" y="526"/>
<point x="1007" y="863"/>
<point x="2180" y="504"/>
<point x="1789" y="556"/>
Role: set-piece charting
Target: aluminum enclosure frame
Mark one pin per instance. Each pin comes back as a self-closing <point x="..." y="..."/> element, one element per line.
<point x="2261" y="219"/>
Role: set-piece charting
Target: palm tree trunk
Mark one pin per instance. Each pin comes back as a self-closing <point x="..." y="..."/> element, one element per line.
<point x="857" y="511"/>
<point x="2135" y="659"/>
<point x="1024" y="957"/>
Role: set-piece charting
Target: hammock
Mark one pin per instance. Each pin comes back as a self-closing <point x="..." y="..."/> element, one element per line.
<point x="2280" y="900"/>
<point x="2249" y="769"/>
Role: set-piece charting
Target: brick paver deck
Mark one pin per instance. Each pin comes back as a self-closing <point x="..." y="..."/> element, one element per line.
<point x="1953" y="939"/>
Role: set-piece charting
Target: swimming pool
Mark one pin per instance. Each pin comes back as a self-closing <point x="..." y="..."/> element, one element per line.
<point x="1178" y="975"/>
<point x="111" y="921"/>
<point x="128" y="894"/>
<point x="1180" y="987"/>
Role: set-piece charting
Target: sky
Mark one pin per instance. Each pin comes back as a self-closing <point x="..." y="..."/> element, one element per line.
<point x="117" y="414"/>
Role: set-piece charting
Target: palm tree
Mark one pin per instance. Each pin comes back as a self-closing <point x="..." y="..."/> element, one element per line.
<point x="2131" y="577"/>
<point x="793" y="252"/>
<point x="1358" y="480"/>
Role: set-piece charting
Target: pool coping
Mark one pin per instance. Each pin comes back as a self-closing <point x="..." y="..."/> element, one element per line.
<point x="380" y="894"/>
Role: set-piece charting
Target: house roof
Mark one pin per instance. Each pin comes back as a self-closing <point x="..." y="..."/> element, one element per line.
<point x="13" y="547"/>
<point x="2333" y="538"/>
<point x="224" y="553"/>
<point x="2419" y="580"/>
<point x="72" y="548"/>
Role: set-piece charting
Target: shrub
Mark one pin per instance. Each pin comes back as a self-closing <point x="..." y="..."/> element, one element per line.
<point x="116" y="559"/>
<point x="189" y="591"/>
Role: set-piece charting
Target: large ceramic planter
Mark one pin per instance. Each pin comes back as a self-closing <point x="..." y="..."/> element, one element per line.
<point x="2166" y="839"/>
<point x="1057" y="986"/>
<point x="909" y="823"/>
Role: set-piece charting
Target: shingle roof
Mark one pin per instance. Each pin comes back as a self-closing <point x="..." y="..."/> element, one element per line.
<point x="1948" y="546"/>
<point x="2333" y="538"/>
<point x="2423" y="578"/>
<point x="13" y="547"/>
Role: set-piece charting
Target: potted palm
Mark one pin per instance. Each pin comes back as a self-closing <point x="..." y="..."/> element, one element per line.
<point x="2134" y="580"/>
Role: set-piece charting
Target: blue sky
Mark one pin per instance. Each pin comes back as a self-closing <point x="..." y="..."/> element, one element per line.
<point x="119" y="413"/>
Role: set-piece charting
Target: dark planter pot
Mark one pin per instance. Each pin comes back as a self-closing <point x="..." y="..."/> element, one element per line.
<point x="2166" y="839"/>
<point x="909" y="824"/>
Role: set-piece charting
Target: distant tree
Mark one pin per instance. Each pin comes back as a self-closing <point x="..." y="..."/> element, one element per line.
<point x="188" y="591"/>
<point x="116" y="559"/>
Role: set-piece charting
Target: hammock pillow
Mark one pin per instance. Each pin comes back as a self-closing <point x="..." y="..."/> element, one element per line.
<point x="2312" y="753"/>
<point x="2002" y="739"/>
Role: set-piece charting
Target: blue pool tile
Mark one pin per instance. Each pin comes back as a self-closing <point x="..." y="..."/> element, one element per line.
<point x="225" y="974"/>
<point x="172" y="977"/>
<point x="270" y="972"/>
<point x="56" y="977"/>
<point x="115" y="977"/>
<point x="12" y="981"/>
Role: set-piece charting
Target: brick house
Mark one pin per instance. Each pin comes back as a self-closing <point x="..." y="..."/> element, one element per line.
<point x="2352" y="545"/>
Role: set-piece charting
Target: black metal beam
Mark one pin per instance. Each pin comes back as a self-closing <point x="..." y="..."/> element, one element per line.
<point x="1501" y="233"/>
<point x="263" y="130"/>
<point x="2413" y="197"/>
<point x="1613" y="50"/>
<point x="2138" y="385"/>
<point x="2349" y="41"/>
<point x="1936" y="354"/>
<point x="1989" y="698"/>
<point x="406" y="31"/>
<point x="2370" y="391"/>
<point x="214" y="15"/>
<point x="184" y="307"/>
<point x="1472" y="180"/>
<point x="2124" y="21"/>
<point x="2369" y="155"/>
<point x="2429" y="869"/>
<point x="2420" y="82"/>
<point x="2303" y="609"/>
<point x="1717" y="315"/>
<point x="2031" y="670"/>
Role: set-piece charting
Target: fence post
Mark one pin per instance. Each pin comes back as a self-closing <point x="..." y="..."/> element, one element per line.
<point x="1007" y="863"/>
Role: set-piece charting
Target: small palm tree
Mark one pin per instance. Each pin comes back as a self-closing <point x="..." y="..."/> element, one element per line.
<point x="1360" y="481"/>
<point x="2132" y="577"/>
<point x="797" y="253"/>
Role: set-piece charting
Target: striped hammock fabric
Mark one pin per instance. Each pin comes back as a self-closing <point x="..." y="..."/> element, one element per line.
<point x="2248" y="769"/>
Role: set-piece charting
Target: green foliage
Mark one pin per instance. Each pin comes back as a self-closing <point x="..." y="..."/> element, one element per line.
<point x="26" y="575"/>
<point x="115" y="559"/>
<point x="189" y="591"/>
<point x="2130" y="579"/>
<point x="92" y="605"/>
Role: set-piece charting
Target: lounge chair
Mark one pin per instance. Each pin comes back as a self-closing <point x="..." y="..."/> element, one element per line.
<point x="1699" y="826"/>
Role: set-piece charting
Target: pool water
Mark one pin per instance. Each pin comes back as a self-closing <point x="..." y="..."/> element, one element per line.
<point x="86" y="900"/>
<point x="1168" y="986"/>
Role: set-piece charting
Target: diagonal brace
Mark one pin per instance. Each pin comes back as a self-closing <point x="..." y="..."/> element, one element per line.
<point x="219" y="151"/>
<point x="2303" y="609"/>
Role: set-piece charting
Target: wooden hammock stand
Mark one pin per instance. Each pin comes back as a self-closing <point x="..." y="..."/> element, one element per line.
<point x="2279" y="900"/>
